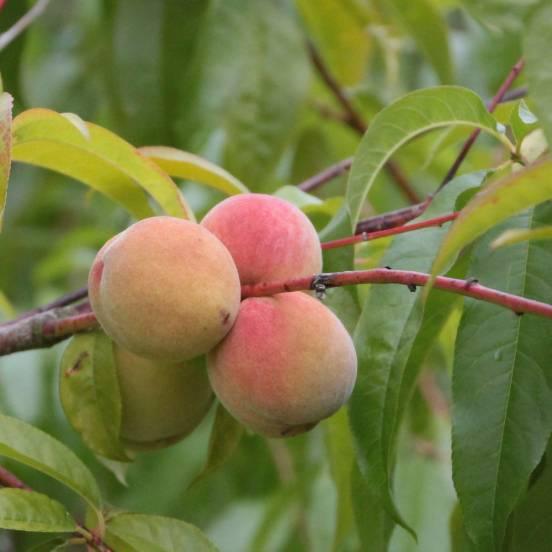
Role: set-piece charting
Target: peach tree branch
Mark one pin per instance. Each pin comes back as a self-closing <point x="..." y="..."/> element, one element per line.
<point x="48" y="328"/>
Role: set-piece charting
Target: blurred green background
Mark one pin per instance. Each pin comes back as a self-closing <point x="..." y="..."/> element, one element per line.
<point x="231" y="80"/>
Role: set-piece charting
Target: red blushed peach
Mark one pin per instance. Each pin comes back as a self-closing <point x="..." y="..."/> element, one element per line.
<point x="165" y="288"/>
<point x="162" y="402"/>
<point x="269" y="238"/>
<point x="287" y="363"/>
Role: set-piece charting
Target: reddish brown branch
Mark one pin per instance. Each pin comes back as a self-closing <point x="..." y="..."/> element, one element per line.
<point x="355" y="121"/>
<point x="402" y="216"/>
<point x="326" y="175"/>
<point x="369" y="236"/>
<point x="491" y="106"/>
<point x="46" y="329"/>
<point x="408" y="278"/>
<point x="64" y="300"/>
<point x="8" y="479"/>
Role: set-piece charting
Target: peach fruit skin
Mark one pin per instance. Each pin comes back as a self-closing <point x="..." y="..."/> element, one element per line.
<point x="269" y="238"/>
<point x="287" y="363"/>
<point x="162" y="402"/>
<point x="165" y="288"/>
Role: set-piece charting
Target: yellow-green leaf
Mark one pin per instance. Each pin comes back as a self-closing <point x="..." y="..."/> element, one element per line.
<point x="97" y="157"/>
<point x="23" y="510"/>
<point x="6" y="104"/>
<point x="510" y="237"/>
<point x="182" y="164"/>
<point x="494" y="204"/>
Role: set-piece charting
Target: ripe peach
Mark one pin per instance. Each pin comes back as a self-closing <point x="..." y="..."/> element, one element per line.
<point x="165" y="288"/>
<point x="162" y="402"/>
<point x="269" y="238"/>
<point x="287" y="363"/>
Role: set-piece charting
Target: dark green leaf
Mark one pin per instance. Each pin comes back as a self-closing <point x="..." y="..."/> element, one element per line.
<point x="384" y="336"/>
<point x="502" y="384"/>
<point x="224" y="440"/>
<point x="32" y="447"/>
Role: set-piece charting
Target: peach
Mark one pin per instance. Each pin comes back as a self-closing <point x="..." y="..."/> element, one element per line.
<point x="287" y="363"/>
<point x="269" y="238"/>
<point x="162" y="402"/>
<point x="165" y="288"/>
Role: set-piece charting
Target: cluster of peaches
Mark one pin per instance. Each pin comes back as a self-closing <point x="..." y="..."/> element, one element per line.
<point x="168" y="293"/>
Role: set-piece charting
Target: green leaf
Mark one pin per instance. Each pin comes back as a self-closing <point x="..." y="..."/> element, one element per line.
<point x="538" y="35"/>
<point x="501" y="15"/>
<point x="404" y="119"/>
<point x="182" y="164"/>
<point x="495" y="203"/>
<point x="339" y="27"/>
<point x="36" y="449"/>
<point x="224" y="440"/>
<point x="374" y="525"/>
<point x="137" y="49"/>
<point x="531" y="529"/>
<point x="516" y="235"/>
<point x="89" y="393"/>
<point x="23" y="510"/>
<point x="97" y="157"/>
<point x="502" y="384"/>
<point x="341" y="454"/>
<point x="424" y="23"/>
<point x="142" y="533"/>
<point x="6" y="104"/>
<point x="273" y="82"/>
<point x="384" y="343"/>
<point x="523" y="122"/>
<point x="342" y="300"/>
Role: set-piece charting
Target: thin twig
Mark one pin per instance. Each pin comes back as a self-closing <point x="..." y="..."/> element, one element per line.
<point x="370" y="236"/>
<point x="326" y="175"/>
<point x="515" y="94"/>
<point x="355" y="121"/>
<point x="21" y="24"/>
<point x="408" y="278"/>
<point x="47" y="328"/>
<point x="62" y="301"/>
<point x="491" y="106"/>
<point x="401" y="216"/>
<point x="8" y="479"/>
